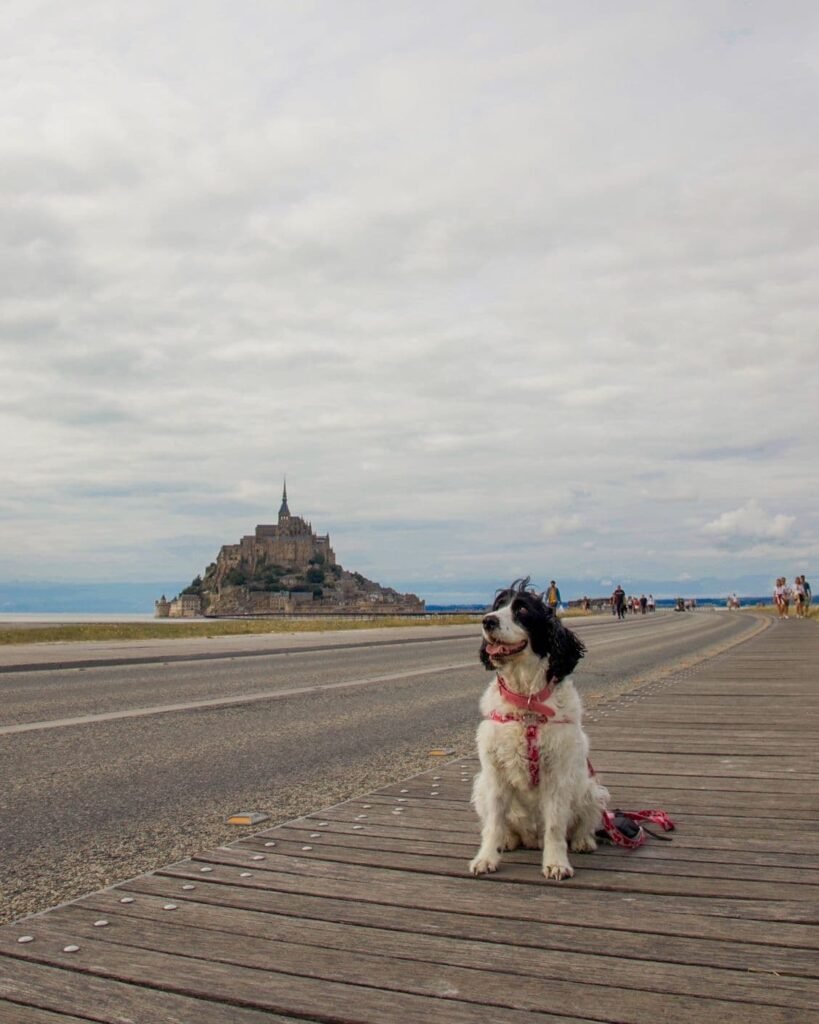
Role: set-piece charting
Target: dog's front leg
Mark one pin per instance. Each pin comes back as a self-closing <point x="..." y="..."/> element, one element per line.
<point x="556" y="819"/>
<point x="492" y="804"/>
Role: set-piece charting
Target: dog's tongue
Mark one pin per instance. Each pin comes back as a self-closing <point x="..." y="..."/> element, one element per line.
<point x="503" y="649"/>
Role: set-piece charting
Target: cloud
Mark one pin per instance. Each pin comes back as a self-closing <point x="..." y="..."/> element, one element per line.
<point x="556" y="525"/>
<point x="748" y="526"/>
<point x="487" y="289"/>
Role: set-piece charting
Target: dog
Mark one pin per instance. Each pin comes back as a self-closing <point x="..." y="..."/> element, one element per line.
<point x="535" y="788"/>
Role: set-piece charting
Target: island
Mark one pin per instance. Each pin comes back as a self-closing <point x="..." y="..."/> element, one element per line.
<point x="280" y="569"/>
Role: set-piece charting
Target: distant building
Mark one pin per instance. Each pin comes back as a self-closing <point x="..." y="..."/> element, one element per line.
<point x="283" y="568"/>
<point x="186" y="606"/>
<point x="290" y="544"/>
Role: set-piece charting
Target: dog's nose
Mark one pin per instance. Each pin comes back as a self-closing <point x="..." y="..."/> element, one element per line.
<point x="490" y="622"/>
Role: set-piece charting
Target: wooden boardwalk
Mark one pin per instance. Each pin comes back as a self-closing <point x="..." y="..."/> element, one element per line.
<point x="365" y="912"/>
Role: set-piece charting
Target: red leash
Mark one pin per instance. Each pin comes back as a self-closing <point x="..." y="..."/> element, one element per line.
<point x="615" y="832"/>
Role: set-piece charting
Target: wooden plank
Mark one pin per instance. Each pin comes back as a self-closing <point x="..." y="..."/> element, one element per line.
<point x="109" y="1000"/>
<point x="700" y="765"/>
<point x="672" y="723"/>
<point x="722" y="806"/>
<point x="414" y="889"/>
<point x="761" y="805"/>
<point x="463" y="843"/>
<point x="793" y="807"/>
<point x="339" y="923"/>
<point x="705" y="835"/>
<point x="784" y="719"/>
<point x="420" y="815"/>
<point x="15" y="1013"/>
<point x="370" y="987"/>
<point x="761" y="783"/>
<point x="758" y="783"/>
<point x="719" y="920"/>
<point x="695" y="743"/>
<point x="626" y="875"/>
<point x="268" y="989"/>
<point x="363" y="953"/>
<point x="270" y="914"/>
<point x="608" y="858"/>
<point x="446" y="806"/>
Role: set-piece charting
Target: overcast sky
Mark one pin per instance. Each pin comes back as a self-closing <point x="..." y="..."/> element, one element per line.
<point x="503" y="288"/>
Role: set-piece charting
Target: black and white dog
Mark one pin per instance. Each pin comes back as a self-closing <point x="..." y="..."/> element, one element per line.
<point x="534" y="788"/>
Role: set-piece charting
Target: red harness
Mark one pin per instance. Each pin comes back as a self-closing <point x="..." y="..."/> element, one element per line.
<point x="536" y="713"/>
<point x="534" y="702"/>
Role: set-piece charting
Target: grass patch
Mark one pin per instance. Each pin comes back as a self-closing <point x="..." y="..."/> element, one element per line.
<point x="185" y="628"/>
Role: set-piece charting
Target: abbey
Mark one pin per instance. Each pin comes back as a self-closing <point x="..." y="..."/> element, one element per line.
<point x="291" y="543"/>
<point x="283" y="568"/>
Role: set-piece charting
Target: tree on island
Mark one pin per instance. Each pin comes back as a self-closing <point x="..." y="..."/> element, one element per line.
<point x="196" y="587"/>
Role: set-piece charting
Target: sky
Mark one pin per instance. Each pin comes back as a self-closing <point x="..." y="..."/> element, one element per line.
<point x="504" y="289"/>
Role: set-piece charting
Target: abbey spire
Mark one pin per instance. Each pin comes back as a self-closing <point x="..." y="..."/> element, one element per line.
<point x="284" y="511"/>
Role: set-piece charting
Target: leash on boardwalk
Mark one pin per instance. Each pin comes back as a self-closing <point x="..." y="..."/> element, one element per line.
<point x="627" y="828"/>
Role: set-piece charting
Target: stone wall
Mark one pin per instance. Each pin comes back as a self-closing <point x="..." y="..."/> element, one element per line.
<point x="231" y="601"/>
<point x="186" y="606"/>
<point x="291" y="545"/>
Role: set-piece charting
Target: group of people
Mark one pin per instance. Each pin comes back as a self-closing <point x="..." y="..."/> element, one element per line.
<point x="798" y="593"/>
<point x="621" y="604"/>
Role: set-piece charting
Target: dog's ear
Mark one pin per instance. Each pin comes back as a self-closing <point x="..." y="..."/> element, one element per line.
<point x="566" y="650"/>
<point x="542" y="626"/>
<point x="487" y="664"/>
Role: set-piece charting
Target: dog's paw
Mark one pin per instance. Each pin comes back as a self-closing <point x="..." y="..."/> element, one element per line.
<point x="483" y="865"/>
<point x="557" y="872"/>
<point x="583" y="844"/>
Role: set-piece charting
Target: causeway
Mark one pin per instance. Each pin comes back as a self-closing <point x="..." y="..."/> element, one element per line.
<point x="364" y="912"/>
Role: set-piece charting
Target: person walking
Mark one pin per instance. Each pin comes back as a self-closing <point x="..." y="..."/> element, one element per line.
<point x="808" y="595"/>
<point x="618" y="602"/>
<point x="553" y="596"/>
<point x="798" y="591"/>
<point x="780" y="596"/>
<point x="652" y="604"/>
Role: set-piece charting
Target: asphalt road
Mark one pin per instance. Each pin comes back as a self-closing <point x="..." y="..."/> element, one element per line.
<point x="116" y="759"/>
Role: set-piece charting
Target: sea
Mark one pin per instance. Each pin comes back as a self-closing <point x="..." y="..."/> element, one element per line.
<point x="68" y="617"/>
<point x="46" y="618"/>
